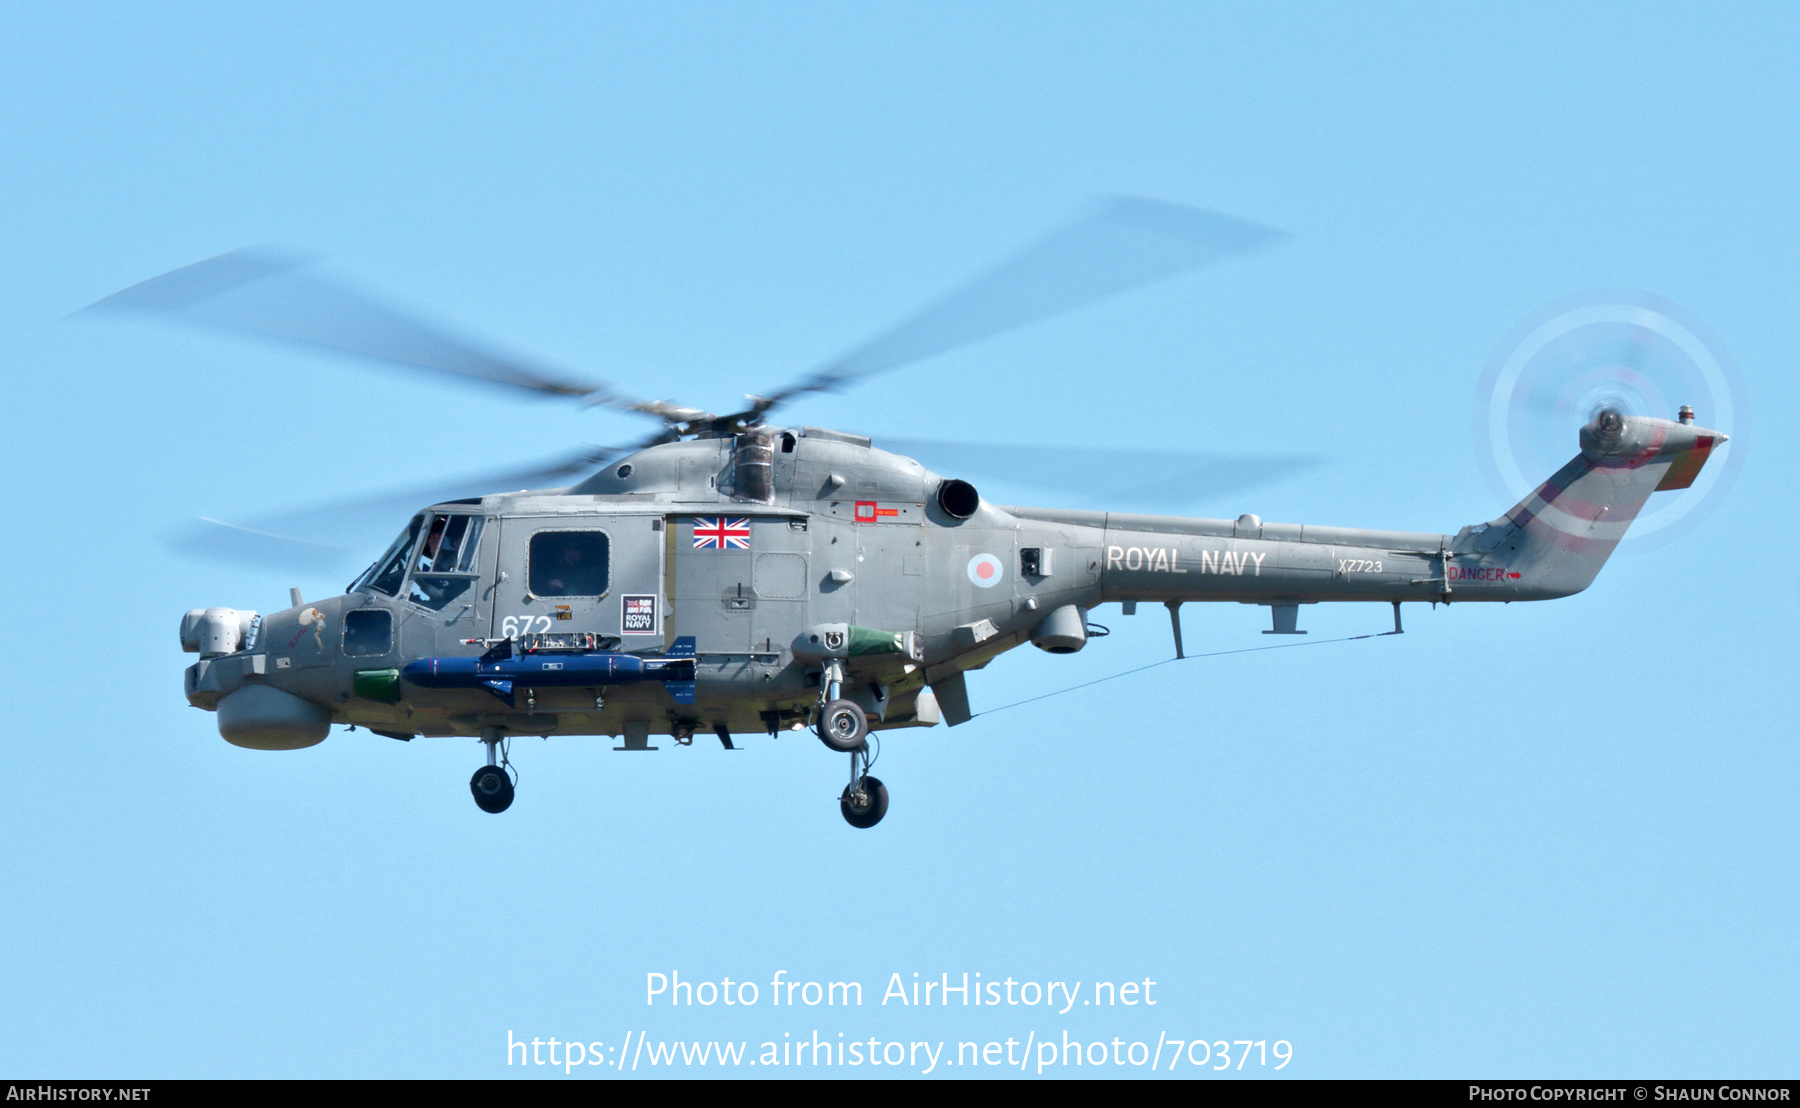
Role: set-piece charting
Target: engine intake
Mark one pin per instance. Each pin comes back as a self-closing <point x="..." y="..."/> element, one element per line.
<point x="753" y="467"/>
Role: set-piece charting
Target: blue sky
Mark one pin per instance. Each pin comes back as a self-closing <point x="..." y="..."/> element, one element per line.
<point x="1551" y="839"/>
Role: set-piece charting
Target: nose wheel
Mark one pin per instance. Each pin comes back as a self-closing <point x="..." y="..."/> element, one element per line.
<point x="492" y="785"/>
<point x="865" y="799"/>
<point x="492" y="788"/>
<point x="864" y="802"/>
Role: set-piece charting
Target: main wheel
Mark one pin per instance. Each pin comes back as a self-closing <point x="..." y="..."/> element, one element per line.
<point x="843" y="726"/>
<point x="493" y="789"/>
<point x="864" y="803"/>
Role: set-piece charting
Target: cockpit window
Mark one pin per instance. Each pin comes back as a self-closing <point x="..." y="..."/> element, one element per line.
<point x="568" y="563"/>
<point x="385" y="575"/>
<point x="432" y="591"/>
<point x="445" y="560"/>
<point x="450" y="544"/>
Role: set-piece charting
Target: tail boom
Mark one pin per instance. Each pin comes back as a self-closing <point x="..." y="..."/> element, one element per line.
<point x="1551" y="544"/>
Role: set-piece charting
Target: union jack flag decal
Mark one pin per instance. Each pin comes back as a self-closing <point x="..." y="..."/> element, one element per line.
<point x="719" y="533"/>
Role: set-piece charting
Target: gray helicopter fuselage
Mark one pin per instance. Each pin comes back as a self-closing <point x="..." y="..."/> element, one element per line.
<point x="821" y="548"/>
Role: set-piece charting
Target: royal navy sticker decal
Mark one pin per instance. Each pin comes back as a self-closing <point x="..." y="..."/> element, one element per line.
<point x="637" y="615"/>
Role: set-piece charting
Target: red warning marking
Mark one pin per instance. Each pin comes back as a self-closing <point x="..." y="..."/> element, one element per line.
<point x="867" y="511"/>
<point x="1478" y="573"/>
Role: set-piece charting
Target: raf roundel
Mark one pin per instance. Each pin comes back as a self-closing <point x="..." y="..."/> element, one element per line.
<point x="985" y="571"/>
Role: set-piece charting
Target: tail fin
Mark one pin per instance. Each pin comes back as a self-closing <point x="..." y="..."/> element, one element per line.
<point x="1557" y="538"/>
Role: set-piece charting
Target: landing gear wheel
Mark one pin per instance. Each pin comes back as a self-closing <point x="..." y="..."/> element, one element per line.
<point x="843" y="726"/>
<point x="493" y="789"/>
<point x="865" y="802"/>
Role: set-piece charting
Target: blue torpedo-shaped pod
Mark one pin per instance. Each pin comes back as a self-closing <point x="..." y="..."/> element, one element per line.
<point x="552" y="670"/>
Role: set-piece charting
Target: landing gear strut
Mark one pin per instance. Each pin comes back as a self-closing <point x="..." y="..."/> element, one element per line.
<point x="492" y="784"/>
<point x="865" y="798"/>
<point x="844" y="727"/>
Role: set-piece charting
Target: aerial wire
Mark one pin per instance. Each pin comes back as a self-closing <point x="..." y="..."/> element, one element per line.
<point x="1189" y="658"/>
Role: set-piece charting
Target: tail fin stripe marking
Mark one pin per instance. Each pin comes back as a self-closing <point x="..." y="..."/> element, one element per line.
<point x="1687" y="465"/>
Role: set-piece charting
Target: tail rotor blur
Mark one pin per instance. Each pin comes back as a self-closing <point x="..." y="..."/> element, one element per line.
<point x="1630" y="353"/>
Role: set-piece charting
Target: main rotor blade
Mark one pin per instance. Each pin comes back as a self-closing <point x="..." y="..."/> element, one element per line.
<point x="332" y="536"/>
<point x="1105" y="478"/>
<point x="270" y="295"/>
<point x="1122" y="243"/>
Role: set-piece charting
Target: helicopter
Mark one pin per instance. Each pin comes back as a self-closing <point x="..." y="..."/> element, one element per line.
<point x="733" y="575"/>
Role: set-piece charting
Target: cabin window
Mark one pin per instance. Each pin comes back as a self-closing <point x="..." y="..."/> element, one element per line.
<point x="368" y="631"/>
<point x="568" y="563"/>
